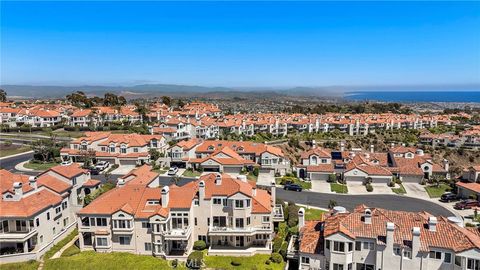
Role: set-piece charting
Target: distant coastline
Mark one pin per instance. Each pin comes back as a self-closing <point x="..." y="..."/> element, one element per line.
<point x="415" y="96"/>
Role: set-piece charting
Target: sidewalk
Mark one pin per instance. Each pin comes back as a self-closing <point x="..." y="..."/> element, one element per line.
<point x="20" y="167"/>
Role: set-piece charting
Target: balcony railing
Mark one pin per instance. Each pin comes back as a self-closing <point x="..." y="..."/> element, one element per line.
<point x="239" y="230"/>
<point x="278" y="213"/>
<point x="178" y="233"/>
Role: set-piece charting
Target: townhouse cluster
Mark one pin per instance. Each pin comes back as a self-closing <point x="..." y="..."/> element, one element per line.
<point x="469" y="138"/>
<point x="357" y="165"/>
<point x="375" y="238"/>
<point x="38" y="211"/>
<point x="207" y="121"/>
<point x="232" y="215"/>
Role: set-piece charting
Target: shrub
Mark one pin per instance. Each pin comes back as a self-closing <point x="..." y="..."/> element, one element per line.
<point x="276" y="257"/>
<point x="391" y="183"/>
<point x="267" y="262"/>
<point x="283" y="249"/>
<point x="236" y="262"/>
<point x="369" y="187"/>
<point x="255" y="171"/>
<point x="332" y="204"/>
<point x="277" y="243"/>
<point x="332" y="178"/>
<point x="194" y="260"/>
<point x="199" y="245"/>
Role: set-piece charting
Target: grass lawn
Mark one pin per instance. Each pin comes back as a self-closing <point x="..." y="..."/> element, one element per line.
<point x="69" y="134"/>
<point x="191" y="173"/>
<point x="40" y="166"/>
<point x="7" y="150"/>
<point x="60" y="244"/>
<point x="285" y="179"/>
<point x="399" y="190"/>
<point x="30" y="265"/>
<point x="253" y="262"/>
<point x="70" y="251"/>
<point x="88" y="260"/>
<point x="436" y="192"/>
<point x="313" y="214"/>
<point x="160" y="171"/>
<point x="338" y="188"/>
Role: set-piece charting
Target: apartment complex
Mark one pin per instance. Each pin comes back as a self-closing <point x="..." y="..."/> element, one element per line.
<point x="469" y="138"/>
<point x="375" y="238"/>
<point x="406" y="163"/>
<point x="469" y="183"/>
<point x="38" y="211"/>
<point x="122" y="149"/>
<point x="139" y="216"/>
<point x="228" y="156"/>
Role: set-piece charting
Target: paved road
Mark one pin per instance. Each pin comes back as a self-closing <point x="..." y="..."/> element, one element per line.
<point x="391" y="202"/>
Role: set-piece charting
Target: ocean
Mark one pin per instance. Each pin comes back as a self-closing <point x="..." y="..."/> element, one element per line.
<point x="415" y="96"/>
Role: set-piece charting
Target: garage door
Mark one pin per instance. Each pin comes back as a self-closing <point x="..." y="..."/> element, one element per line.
<point x="234" y="170"/>
<point x="318" y="176"/>
<point x="126" y="162"/>
<point x="355" y="179"/>
<point x="111" y="160"/>
<point x="381" y="180"/>
<point x="267" y="171"/>
<point x="210" y="169"/>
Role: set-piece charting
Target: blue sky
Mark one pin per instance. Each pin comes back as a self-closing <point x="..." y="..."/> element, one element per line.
<point x="240" y="43"/>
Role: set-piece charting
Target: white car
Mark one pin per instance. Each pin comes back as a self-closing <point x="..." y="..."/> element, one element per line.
<point x="102" y="165"/>
<point x="66" y="163"/>
<point x="172" y="171"/>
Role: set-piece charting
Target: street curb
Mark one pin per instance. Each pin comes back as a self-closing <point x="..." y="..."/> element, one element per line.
<point x="15" y="155"/>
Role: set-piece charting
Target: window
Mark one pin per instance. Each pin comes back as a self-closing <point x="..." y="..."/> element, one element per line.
<point x="239" y="223"/>
<point x="196" y="202"/>
<point x="64" y="205"/>
<point x="217" y="201"/>
<point x="48" y="216"/>
<point x="135" y="150"/>
<point x="306" y="260"/>
<point x="148" y="246"/>
<point x="407" y="254"/>
<point x="337" y="266"/>
<point x="397" y="251"/>
<point x="447" y="258"/>
<point x="436" y="255"/>
<point x="65" y="222"/>
<point x="37" y="222"/>
<point x="327" y="244"/>
<point x="248" y="220"/>
<point x="41" y="239"/>
<point x="92" y="221"/>
<point x="145" y="225"/>
<point x="101" y="241"/>
<point x="369" y="245"/>
<point x="339" y="247"/>
<point x="362" y="266"/>
<point x="265" y="218"/>
<point x="473" y="264"/>
<point x="248" y="203"/>
<point x="458" y="260"/>
<point x="238" y="203"/>
<point x="224" y="202"/>
<point x="124" y="240"/>
<point x="195" y="221"/>
<point x="350" y="246"/>
<point x="101" y="222"/>
<point x="358" y="245"/>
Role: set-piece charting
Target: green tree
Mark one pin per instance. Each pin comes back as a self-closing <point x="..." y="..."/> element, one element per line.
<point x="3" y="95"/>
<point x="167" y="101"/>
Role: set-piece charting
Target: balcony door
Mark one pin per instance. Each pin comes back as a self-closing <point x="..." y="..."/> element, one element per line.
<point x="239" y="241"/>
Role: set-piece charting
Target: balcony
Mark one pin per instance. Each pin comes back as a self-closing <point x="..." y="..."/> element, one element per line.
<point x="22" y="234"/>
<point x="178" y="234"/>
<point x="245" y="231"/>
<point x="278" y="213"/>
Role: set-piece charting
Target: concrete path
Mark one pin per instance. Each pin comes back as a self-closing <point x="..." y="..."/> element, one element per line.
<point x="21" y="168"/>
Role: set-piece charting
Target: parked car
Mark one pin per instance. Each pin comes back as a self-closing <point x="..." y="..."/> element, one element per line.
<point x="448" y="197"/>
<point x="102" y="165"/>
<point x="94" y="171"/>
<point x="172" y="171"/>
<point x="66" y="163"/>
<point x="466" y="204"/>
<point x="294" y="187"/>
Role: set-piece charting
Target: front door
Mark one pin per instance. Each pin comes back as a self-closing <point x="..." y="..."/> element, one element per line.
<point x="239" y="241"/>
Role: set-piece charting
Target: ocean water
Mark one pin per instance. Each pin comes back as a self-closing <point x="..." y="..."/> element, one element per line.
<point x="416" y="96"/>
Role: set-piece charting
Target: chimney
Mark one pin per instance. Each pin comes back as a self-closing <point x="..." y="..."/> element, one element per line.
<point x="218" y="179"/>
<point x="150" y="130"/>
<point x="201" y="191"/>
<point x="301" y="218"/>
<point x="432" y="224"/>
<point x="342" y="146"/>
<point x="165" y="196"/>
<point x="392" y="145"/>
<point x="273" y="191"/>
<point x="120" y="182"/>
<point x="17" y="188"/>
<point x="372" y="148"/>
<point x="367" y="217"/>
<point x="32" y="180"/>
<point x="254" y="191"/>
<point x="415" y="241"/>
<point x="446" y="165"/>
<point x="390" y="232"/>
<point x="314" y="144"/>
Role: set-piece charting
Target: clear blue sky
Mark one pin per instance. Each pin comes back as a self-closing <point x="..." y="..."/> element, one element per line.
<point x="240" y="43"/>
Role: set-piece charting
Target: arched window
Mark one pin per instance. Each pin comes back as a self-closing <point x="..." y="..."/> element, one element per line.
<point x="314" y="160"/>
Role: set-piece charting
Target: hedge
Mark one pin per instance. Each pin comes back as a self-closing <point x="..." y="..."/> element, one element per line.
<point x="199" y="245"/>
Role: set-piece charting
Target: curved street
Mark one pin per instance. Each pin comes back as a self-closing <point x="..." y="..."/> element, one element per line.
<point x="391" y="202"/>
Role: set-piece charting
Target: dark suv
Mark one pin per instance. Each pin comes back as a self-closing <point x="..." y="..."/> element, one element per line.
<point x="466" y="204"/>
<point x="448" y="197"/>
<point x="293" y="187"/>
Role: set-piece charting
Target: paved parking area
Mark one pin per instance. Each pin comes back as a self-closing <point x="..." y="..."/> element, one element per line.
<point x="359" y="188"/>
<point x="265" y="179"/>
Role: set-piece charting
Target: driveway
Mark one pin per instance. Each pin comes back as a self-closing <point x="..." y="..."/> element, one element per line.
<point x="265" y="179"/>
<point x="416" y="190"/>
<point x="356" y="188"/>
<point x="321" y="186"/>
<point x="123" y="169"/>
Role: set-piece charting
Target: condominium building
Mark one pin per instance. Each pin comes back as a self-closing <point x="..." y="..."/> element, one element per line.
<point x="375" y="238"/>
<point x="38" y="211"/>
<point x="139" y="216"/>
